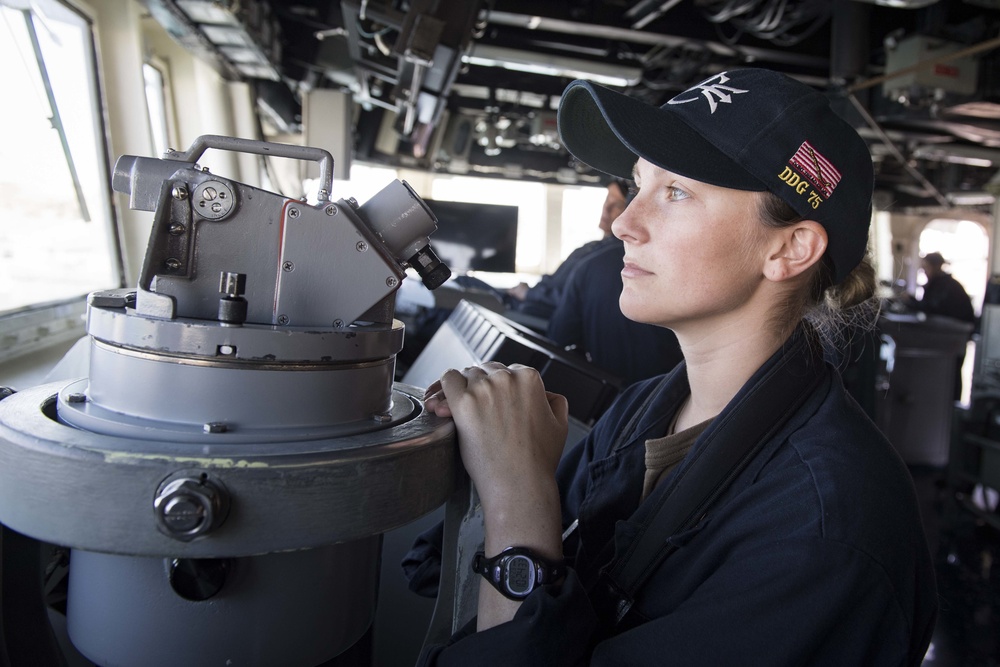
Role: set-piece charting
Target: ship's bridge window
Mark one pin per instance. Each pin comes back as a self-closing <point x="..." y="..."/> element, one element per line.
<point x="57" y="239"/>
<point x="965" y="245"/>
<point x="154" y="78"/>
<point x="581" y="214"/>
<point x="528" y="197"/>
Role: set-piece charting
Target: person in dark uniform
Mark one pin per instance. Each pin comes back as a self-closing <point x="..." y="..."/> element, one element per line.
<point x="741" y="509"/>
<point x="541" y="299"/>
<point x="945" y="297"/>
<point x="588" y="318"/>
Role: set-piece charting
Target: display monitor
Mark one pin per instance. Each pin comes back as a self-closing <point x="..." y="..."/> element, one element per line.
<point x="475" y="237"/>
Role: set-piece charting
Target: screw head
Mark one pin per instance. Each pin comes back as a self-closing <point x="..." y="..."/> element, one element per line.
<point x="382" y="417"/>
<point x="293" y="212"/>
<point x="331" y="210"/>
<point x="179" y="192"/>
<point x="209" y="193"/>
<point x="282" y="319"/>
<point x="172" y="263"/>
<point x="353" y="202"/>
<point x="361" y="246"/>
<point x="288" y="266"/>
<point x="177" y="229"/>
<point x="77" y="398"/>
<point x="338" y="324"/>
<point x="391" y="281"/>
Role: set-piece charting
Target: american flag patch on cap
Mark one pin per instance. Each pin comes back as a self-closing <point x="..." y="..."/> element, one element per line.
<point x="816" y="168"/>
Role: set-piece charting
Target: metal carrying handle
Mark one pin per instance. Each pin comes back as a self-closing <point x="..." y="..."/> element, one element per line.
<point x="206" y="141"/>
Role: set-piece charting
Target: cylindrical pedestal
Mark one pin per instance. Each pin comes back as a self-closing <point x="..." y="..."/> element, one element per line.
<point x="295" y="609"/>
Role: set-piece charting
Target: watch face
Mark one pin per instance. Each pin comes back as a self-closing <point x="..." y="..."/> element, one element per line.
<point x="520" y="575"/>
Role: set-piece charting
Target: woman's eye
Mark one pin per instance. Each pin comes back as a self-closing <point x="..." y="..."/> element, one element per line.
<point x="674" y="193"/>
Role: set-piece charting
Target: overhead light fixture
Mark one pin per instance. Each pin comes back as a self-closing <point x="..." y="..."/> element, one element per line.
<point x="972" y="156"/>
<point x="244" y="34"/>
<point x="971" y="198"/>
<point x="902" y="4"/>
<point x="485" y="55"/>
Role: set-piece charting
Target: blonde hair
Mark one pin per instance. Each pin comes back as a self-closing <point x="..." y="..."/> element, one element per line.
<point x="835" y="311"/>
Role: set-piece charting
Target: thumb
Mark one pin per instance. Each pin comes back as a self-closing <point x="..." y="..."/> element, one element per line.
<point x="559" y="406"/>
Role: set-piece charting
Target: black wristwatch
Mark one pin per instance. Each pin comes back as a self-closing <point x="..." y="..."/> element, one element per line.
<point x="516" y="571"/>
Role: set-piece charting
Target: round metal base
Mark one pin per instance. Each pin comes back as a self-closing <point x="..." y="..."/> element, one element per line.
<point x="95" y="492"/>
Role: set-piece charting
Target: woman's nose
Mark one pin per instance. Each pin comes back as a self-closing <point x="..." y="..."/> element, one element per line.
<point x="627" y="226"/>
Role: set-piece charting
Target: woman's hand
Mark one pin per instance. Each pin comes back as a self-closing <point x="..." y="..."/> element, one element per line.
<point x="511" y="434"/>
<point x="510" y="430"/>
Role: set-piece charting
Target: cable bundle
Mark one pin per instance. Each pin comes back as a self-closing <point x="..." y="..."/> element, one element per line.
<point x="783" y="22"/>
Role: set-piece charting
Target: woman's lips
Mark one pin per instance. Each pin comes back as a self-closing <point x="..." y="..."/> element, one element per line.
<point x="633" y="270"/>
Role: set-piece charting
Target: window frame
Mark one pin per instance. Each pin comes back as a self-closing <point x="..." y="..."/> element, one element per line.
<point x="35" y="326"/>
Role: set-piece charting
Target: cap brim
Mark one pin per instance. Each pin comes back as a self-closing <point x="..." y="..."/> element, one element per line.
<point x="609" y="131"/>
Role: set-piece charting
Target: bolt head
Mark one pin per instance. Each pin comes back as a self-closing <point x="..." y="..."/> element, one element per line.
<point x="189" y="507"/>
<point x="77" y="398"/>
<point x="183" y="514"/>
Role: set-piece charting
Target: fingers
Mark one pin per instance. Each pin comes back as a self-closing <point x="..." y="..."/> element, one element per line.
<point x="432" y="389"/>
<point x="489" y="381"/>
<point x="559" y="406"/>
<point x="437" y="404"/>
<point x="452" y="383"/>
<point x="435" y="401"/>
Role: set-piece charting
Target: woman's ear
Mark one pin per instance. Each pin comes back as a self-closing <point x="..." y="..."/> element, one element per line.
<point x="796" y="248"/>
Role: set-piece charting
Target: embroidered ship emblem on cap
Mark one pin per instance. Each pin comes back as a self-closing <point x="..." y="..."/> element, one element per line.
<point x="714" y="91"/>
<point x="816" y="168"/>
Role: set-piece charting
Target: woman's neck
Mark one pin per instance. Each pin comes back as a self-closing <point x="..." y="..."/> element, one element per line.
<point x="720" y="359"/>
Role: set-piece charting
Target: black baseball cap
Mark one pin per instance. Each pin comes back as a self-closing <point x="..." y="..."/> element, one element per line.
<point x="746" y="129"/>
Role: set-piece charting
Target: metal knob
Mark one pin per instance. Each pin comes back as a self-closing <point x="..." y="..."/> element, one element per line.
<point x="232" y="305"/>
<point x="232" y="284"/>
<point x="190" y="507"/>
